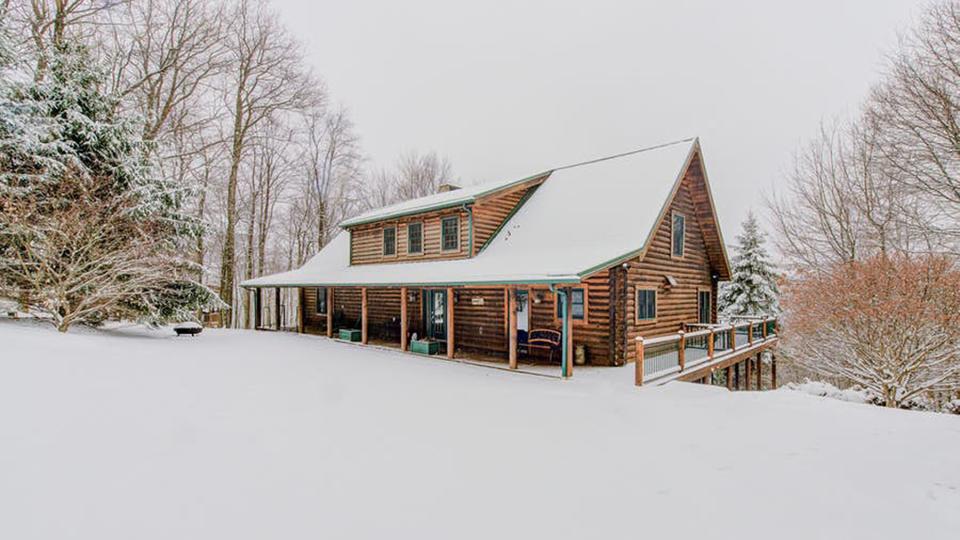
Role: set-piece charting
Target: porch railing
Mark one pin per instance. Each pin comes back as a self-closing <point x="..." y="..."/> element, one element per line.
<point x="675" y="353"/>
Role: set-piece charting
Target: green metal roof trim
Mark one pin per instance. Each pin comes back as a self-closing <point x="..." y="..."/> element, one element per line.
<point x="557" y="281"/>
<point x="440" y="205"/>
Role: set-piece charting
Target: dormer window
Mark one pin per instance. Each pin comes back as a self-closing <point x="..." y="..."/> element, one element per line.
<point x="450" y="233"/>
<point x="389" y="241"/>
<point x="415" y="238"/>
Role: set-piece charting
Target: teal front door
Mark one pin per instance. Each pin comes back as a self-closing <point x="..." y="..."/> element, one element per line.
<point x="435" y="314"/>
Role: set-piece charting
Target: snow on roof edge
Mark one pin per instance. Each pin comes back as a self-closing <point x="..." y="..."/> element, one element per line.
<point x="453" y="198"/>
<point x="386" y="275"/>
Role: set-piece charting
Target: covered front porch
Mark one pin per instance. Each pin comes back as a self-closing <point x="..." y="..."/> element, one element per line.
<point x="510" y="325"/>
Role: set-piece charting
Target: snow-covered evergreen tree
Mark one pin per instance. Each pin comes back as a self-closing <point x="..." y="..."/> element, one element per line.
<point x="753" y="291"/>
<point x="89" y="229"/>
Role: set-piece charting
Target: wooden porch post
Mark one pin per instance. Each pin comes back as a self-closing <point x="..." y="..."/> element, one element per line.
<point x="451" y="346"/>
<point x="710" y="344"/>
<point x="363" y="315"/>
<point x="750" y="333"/>
<point x="330" y="311"/>
<point x="512" y="325"/>
<point x="300" y="310"/>
<point x="681" y="351"/>
<point x="733" y="337"/>
<point x="638" y="374"/>
<point x="256" y="308"/>
<point x="773" y="371"/>
<point x="736" y="377"/>
<point x="570" y="352"/>
<point x="729" y="377"/>
<point x="276" y="308"/>
<point x="403" y="318"/>
<point x="748" y="366"/>
<point x="759" y="372"/>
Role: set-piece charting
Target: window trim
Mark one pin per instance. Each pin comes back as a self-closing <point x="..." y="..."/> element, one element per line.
<point x="410" y="224"/>
<point x="459" y="232"/>
<point x="326" y="300"/>
<point x="683" y="237"/>
<point x="636" y="306"/>
<point x="383" y="240"/>
<point x="586" y="306"/>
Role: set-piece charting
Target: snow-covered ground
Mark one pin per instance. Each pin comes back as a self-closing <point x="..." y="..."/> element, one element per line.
<point x="133" y="434"/>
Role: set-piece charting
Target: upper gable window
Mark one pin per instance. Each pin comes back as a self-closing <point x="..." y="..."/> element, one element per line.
<point x="389" y="241"/>
<point x="450" y="233"/>
<point x="415" y="238"/>
<point x="678" y="239"/>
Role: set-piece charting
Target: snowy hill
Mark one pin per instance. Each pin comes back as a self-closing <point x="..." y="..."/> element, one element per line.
<point x="238" y="435"/>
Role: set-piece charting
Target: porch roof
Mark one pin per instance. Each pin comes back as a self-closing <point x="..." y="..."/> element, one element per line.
<point x="584" y="218"/>
<point x="327" y="268"/>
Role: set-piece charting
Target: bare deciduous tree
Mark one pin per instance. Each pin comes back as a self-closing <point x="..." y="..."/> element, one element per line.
<point x="917" y="112"/>
<point x="419" y="175"/>
<point x="266" y="78"/>
<point x="332" y="165"/>
<point x="165" y="52"/>
<point x="843" y="203"/>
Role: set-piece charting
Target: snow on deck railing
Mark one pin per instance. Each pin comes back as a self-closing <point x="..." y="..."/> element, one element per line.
<point x="674" y="353"/>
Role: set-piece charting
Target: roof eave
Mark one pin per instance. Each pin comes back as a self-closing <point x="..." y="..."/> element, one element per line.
<point x="557" y="280"/>
<point x="354" y="222"/>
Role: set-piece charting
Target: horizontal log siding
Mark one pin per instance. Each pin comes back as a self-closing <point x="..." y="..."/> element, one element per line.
<point x="480" y="328"/>
<point x="366" y="241"/>
<point x="313" y="323"/>
<point x="700" y="197"/>
<point x="490" y="213"/>
<point x="594" y="334"/>
<point x="692" y="272"/>
<point x="383" y="311"/>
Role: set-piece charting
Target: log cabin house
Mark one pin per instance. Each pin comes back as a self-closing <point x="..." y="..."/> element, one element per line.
<point x="577" y="264"/>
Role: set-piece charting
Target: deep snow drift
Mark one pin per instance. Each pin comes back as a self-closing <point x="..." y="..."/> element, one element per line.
<point x="234" y="435"/>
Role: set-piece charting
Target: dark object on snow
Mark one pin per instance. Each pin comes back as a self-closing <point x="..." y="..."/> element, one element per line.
<point x="188" y="330"/>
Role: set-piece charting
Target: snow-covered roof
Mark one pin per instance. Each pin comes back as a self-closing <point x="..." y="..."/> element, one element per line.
<point x="436" y="201"/>
<point x="583" y="218"/>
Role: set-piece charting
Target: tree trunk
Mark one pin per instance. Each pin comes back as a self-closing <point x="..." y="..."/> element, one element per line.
<point x="251" y="220"/>
<point x="228" y="258"/>
<point x="321" y="224"/>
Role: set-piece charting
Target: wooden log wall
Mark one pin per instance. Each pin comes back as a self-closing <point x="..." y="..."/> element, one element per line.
<point x="678" y="304"/>
<point x="383" y="312"/>
<point x="366" y="241"/>
<point x="480" y="321"/>
<point x="491" y="212"/>
<point x="480" y="318"/>
<point x="366" y="244"/>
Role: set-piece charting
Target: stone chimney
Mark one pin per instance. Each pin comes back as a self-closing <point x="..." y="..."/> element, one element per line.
<point x="446" y="187"/>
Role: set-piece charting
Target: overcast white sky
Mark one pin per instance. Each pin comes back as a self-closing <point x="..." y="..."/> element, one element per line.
<point x="505" y="89"/>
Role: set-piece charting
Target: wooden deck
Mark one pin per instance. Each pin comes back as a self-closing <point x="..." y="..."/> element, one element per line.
<point x="695" y="356"/>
